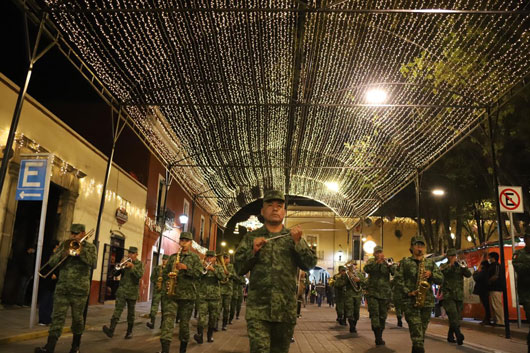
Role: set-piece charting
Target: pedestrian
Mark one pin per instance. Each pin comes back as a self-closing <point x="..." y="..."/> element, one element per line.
<point x="482" y="290"/>
<point x="339" y="296"/>
<point x="321" y="291"/>
<point x="273" y="264"/>
<point x="131" y="272"/>
<point x="329" y="295"/>
<point x="352" y="283"/>
<point x="180" y="277"/>
<point x="156" y="282"/>
<point x="397" y="300"/>
<point x="416" y="275"/>
<point x="46" y="289"/>
<point x="378" y="291"/>
<point x="453" y="294"/>
<point x="227" y="286"/>
<point x="521" y="265"/>
<point x="209" y="296"/>
<point x="72" y="289"/>
<point x="496" y="285"/>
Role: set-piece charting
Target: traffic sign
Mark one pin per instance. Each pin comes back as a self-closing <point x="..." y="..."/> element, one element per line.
<point x="32" y="179"/>
<point x="511" y="199"/>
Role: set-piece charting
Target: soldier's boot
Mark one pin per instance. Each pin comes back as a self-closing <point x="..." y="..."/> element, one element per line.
<point x="459" y="336"/>
<point x="216" y="326"/>
<point x="49" y="347"/>
<point x="165" y="346"/>
<point x="400" y="322"/>
<point x="151" y="324"/>
<point x="183" y="346"/>
<point x="129" y="330"/>
<point x="198" y="336"/>
<point x="378" y="334"/>
<point x="109" y="331"/>
<point x="76" y="343"/>
<point x="352" y="325"/>
<point x="224" y="324"/>
<point x="451" y="335"/>
<point x="209" y="334"/>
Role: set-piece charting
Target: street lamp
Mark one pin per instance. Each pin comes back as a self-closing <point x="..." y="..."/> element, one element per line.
<point x="183" y="218"/>
<point x="231" y="251"/>
<point x="340" y="253"/>
<point x="332" y="186"/>
<point x="369" y="246"/>
<point x="376" y="96"/>
<point x="223" y="243"/>
<point x="438" y="192"/>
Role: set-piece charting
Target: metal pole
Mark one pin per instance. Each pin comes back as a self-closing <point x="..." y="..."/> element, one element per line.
<point x="417" y="182"/>
<point x="499" y="225"/>
<point x="512" y="232"/>
<point x="40" y="240"/>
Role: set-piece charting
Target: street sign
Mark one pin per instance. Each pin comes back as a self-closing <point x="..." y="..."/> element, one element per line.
<point x="511" y="199"/>
<point x="31" y="180"/>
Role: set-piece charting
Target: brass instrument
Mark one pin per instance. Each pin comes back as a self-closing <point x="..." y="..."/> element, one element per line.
<point x="121" y="265"/>
<point x="160" y="279"/>
<point x="206" y="265"/>
<point x="350" y="273"/>
<point x="222" y="260"/>
<point x="172" y="282"/>
<point x="74" y="249"/>
<point x="462" y="263"/>
<point x="389" y="261"/>
<point x="422" y="286"/>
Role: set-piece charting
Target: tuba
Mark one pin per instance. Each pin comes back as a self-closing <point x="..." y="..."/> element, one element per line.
<point x="172" y="282"/>
<point x="422" y="286"/>
<point x="350" y="273"/>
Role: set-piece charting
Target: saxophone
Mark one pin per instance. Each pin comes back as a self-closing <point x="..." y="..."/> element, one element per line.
<point x="222" y="260"/>
<point x="422" y="286"/>
<point x="172" y="283"/>
<point x="160" y="279"/>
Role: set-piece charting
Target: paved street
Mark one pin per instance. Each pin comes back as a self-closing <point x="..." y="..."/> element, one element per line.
<point x="316" y="331"/>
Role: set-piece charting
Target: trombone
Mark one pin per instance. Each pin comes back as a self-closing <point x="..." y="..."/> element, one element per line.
<point x="74" y="249"/>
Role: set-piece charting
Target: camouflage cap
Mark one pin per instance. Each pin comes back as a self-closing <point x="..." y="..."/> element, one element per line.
<point x="273" y="195"/>
<point x="77" y="228"/>
<point x="165" y="257"/>
<point x="210" y="253"/>
<point x="378" y="248"/>
<point x="186" y="235"/>
<point x="342" y="268"/>
<point x="417" y="239"/>
<point x="451" y="252"/>
<point x="133" y="249"/>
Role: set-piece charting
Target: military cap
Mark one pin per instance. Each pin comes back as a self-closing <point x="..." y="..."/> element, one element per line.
<point x="342" y="268"/>
<point x="378" y="248"/>
<point x="133" y="249"/>
<point x="451" y="252"/>
<point x="165" y="257"/>
<point x="186" y="235"/>
<point x="273" y="195"/>
<point x="77" y="228"/>
<point x="417" y="239"/>
<point x="210" y="253"/>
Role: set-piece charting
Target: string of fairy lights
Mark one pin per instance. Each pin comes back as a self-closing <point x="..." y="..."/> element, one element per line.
<point x="209" y="83"/>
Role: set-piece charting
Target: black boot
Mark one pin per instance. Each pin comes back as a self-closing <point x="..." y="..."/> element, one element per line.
<point x="76" y="343"/>
<point x="129" y="330"/>
<point x="378" y="334"/>
<point x="343" y="321"/>
<point x="198" y="336"/>
<point x="352" y="325"/>
<point x="451" y="335"/>
<point x="165" y="346"/>
<point x="210" y="334"/>
<point x="183" y="346"/>
<point x="151" y="324"/>
<point x="400" y="323"/>
<point x="49" y="347"/>
<point x="109" y="331"/>
<point x="224" y="324"/>
<point x="216" y="327"/>
<point x="459" y="336"/>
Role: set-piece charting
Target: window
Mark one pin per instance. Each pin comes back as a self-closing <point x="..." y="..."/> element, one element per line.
<point x="312" y="241"/>
<point x="186" y="211"/>
<point x="201" y="231"/>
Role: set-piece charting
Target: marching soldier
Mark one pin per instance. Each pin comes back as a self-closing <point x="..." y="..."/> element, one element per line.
<point x="397" y="301"/>
<point x="156" y="281"/>
<point x="72" y="290"/>
<point x="351" y="283"/>
<point x="300" y="291"/>
<point x="180" y="276"/>
<point x="271" y="302"/>
<point x="378" y="292"/>
<point x="339" y="297"/>
<point x="127" y="292"/>
<point x="227" y="289"/>
<point x="237" y="297"/>
<point x="453" y="294"/>
<point x="210" y="296"/>
<point x="521" y="264"/>
<point x="418" y="300"/>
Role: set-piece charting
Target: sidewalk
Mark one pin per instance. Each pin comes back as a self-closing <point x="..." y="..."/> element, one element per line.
<point x="14" y="321"/>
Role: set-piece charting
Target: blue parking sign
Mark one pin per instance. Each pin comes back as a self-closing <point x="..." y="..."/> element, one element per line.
<point x="31" y="179"/>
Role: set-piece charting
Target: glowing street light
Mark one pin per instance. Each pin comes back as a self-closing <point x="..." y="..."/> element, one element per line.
<point x="369" y="246"/>
<point x="332" y="186"/>
<point x="231" y="251"/>
<point x="183" y="218"/>
<point x="376" y="96"/>
<point x="438" y="192"/>
<point x="453" y="235"/>
<point x="223" y="243"/>
<point x="469" y="238"/>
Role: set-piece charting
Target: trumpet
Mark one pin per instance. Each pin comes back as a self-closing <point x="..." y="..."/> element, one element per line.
<point x="74" y="248"/>
<point x="350" y="273"/>
<point x="206" y="265"/>
<point x="389" y="261"/>
<point x="462" y="263"/>
<point x="121" y="265"/>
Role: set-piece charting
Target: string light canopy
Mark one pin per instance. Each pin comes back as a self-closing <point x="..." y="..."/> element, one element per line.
<point x="293" y="95"/>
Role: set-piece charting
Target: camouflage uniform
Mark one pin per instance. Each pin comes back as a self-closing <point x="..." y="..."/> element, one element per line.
<point x="271" y="302"/>
<point x="226" y="294"/>
<point x="378" y="294"/>
<point x="453" y="295"/>
<point x="237" y="297"/>
<point x="72" y="290"/>
<point x="339" y="300"/>
<point x="397" y="300"/>
<point x="417" y="317"/>
<point x="351" y="297"/>
<point x="183" y="299"/>
<point x="521" y="265"/>
<point x="157" y="293"/>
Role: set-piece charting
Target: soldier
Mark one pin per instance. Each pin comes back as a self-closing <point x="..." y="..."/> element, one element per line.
<point x="397" y="300"/>
<point x="300" y="291"/>
<point x="339" y="297"/>
<point x="351" y="283"/>
<point x="72" y="289"/>
<point x="521" y="265"/>
<point x="210" y="296"/>
<point x="378" y="292"/>
<point x="156" y="281"/>
<point x="127" y="292"/>
<point x="226" y="289"/>
<point x="237" y="297"/>
<point x="418" y="312"/>
<point x="453" y="294"/>
<point x="271" y="303"/>
<point x="179" y="291"/>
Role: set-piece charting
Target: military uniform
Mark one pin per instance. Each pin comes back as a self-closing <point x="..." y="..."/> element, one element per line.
<point x="271" y="302"/>
<point x="453" y="295"/>
<point x="237" y="297"/>
<point x="157" y="293"/>
<point x="227" y="288"/>
<point x="351" y="297"/>
<point x="397" y="300"/>
<point x="407" y="277"/>
<point x="339" y="299"/>
<point x="127" y="294"/>
<point x="183" y="298"/>
<point x="378" y="294"/>
<point x="209" y="299"/>
<point x="71" y="291"/>
<point x="521" y="265"/>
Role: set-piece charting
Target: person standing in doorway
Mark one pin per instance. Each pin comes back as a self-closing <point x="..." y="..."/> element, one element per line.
<point x="521" y="265"/>
<point x="496" y="284"/>
<point x="156" y="282"/>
